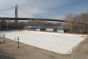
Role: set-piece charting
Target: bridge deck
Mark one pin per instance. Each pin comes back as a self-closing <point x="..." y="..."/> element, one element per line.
<point x="11" y="18"/>
<point x="57" y="20"/>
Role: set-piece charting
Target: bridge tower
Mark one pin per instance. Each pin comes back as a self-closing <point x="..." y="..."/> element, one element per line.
<point x="16" y="13"/>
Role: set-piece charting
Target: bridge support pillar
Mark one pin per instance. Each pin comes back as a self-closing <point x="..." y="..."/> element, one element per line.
<point x="16" y="13"/>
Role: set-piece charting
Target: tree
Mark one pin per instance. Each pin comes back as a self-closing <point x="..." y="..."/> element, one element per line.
<point x="68" y="26"/>
<point x="77" y="23"/>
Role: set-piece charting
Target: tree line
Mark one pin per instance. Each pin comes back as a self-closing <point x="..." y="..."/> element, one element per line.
<point x="7" y="25"/>
<point x="77" y="23"/>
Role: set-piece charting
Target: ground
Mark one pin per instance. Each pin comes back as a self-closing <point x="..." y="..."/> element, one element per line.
<point x="29" y="52"/>
<point x="10" y="50"/>
<point x="57" y="42"/>
<point x="81" y="51"/>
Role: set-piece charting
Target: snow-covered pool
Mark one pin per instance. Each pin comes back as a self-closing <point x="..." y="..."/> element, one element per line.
<point x="56" y="42"/>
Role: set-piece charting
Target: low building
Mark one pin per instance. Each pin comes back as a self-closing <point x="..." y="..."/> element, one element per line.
<point x="45" y="27"/>
<point x="49" y="29"/>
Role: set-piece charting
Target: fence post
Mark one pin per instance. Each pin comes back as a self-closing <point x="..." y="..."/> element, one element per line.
<point x="18" y="42"/>
<point x="4" y="38"/>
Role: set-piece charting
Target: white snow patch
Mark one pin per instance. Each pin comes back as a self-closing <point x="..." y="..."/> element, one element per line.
<point x="56" y="42"/>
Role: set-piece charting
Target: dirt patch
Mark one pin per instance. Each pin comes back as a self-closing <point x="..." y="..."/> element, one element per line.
<point x="81" y="51"/>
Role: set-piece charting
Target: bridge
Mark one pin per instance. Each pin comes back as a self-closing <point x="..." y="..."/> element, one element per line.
<point x="16" y="18"/>
<point x="11" y="18"/>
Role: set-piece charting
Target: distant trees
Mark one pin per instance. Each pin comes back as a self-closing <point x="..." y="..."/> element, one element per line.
<point x="42" y="24"/>
<point x="37" y="22"/>
<point x="2" y="24"/>
<point x="68" y="25"/>
<point x="77" y="23"/>
<point x="6" y="25"/>
<point x="16" y="25"/>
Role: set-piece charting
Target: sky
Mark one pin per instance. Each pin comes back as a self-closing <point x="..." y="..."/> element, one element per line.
<point x="43" y="8"/>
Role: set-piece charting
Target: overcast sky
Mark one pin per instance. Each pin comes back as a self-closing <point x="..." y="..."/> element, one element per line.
<point x="43" y="8"/>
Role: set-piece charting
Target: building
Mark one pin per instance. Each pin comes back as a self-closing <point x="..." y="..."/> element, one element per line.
<point x="49" y="27"/>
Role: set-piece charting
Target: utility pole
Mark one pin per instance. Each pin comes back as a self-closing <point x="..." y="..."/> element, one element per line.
<point x="16" y="13"/>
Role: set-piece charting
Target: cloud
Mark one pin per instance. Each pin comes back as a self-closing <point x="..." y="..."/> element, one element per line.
<point x="57" y="17"/>
<point x="32" y="6"/>
<point x="4" y="4"/>
<point x="37" y="11"/>
<point x="43" y="4"/>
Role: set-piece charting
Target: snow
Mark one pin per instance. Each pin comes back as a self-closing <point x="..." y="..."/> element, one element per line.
<point x="55" y="42"/>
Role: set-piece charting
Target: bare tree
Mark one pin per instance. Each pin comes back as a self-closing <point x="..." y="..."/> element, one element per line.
<point x="68" y="25"/>
<point x="77" y="23"/>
